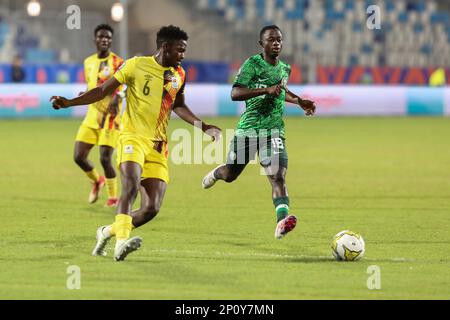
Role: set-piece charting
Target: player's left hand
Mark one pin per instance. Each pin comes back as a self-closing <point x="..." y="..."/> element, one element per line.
<point x="213" y="131"/>
<point x="308" y="106"/>
<point x="59" y="102"/>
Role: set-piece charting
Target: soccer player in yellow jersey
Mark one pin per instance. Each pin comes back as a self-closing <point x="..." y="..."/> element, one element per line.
<point x="101" y="124"/>
<point x="155" y="87"/>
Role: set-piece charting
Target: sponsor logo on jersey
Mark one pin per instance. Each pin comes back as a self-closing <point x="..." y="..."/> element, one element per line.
<point x="128" y="149"/>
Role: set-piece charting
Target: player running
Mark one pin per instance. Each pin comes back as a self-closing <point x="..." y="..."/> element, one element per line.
<point x="101" y="123"/>
<point x="261" y="82"/>
<point x="155" y="87"/>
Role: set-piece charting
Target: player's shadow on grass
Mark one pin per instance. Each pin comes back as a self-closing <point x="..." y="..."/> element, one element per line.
<point x="237" y="244"/>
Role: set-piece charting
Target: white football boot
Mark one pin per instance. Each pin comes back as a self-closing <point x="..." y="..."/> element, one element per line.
<point x="102" y="241"/>
<point x="125" y="247"/>
<point x="209" y="180"/>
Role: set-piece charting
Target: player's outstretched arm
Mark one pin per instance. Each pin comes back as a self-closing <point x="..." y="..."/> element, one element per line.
<point x="307" y="105"/>
<point x="183" y="111"/>
<point x="91" y="96"/>
<point x="241" y="93"/>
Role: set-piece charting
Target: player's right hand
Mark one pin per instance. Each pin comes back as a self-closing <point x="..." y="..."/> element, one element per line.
<point x="307" y="105"/>
<point x="214" y="132"/>
<point x="274" y="90"/>
<point x="59" y="102"/>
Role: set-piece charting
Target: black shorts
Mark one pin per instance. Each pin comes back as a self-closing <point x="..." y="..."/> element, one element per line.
<point x="271" y="151"/>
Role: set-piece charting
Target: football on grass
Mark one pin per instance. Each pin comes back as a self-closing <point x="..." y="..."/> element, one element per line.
<point x="348" y="246"/>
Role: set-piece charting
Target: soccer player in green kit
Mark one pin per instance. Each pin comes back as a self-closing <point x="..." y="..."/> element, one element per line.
<point x="261" y="82"/>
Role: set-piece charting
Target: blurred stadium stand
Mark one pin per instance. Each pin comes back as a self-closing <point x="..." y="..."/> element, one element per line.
<point x="414" y="33"/>
<point x="320" y="36"/>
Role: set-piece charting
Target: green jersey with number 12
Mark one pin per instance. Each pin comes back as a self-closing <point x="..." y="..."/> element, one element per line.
<point x="263" y="114"/>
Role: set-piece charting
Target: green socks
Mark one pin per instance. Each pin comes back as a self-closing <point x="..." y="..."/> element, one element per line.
<point x="281" y="207"/>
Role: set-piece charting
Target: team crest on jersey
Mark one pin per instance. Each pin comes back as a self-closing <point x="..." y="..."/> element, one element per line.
<point x="174" y="82"/>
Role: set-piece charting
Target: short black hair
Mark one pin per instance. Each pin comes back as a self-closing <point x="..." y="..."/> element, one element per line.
<point x="103" y="26"/>
<point x="271" y="27"/>
<point x="170" y="33"/>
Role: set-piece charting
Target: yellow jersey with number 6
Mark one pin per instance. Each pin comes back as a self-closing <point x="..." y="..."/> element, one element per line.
<point x="151" y="92"/>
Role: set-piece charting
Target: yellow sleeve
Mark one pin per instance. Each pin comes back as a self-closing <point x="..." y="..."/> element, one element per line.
<point x="125" y="74"/>
<point x="85" y="72"/>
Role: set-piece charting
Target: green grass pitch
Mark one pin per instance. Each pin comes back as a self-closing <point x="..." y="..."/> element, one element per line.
<point x="386" y="178"/>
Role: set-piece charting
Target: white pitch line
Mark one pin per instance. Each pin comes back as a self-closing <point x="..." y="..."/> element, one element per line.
<point x="250" y="254"/>
<point x="260" y="254"/>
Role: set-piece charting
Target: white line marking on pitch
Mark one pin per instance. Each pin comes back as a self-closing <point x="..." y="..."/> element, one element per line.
<point x="259" y="254"/>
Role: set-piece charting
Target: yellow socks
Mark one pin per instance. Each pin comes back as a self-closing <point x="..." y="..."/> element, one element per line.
<point x="110" y="231"/>
<point x="92" y="175"/>
<point x="122" y="226"/>
<point x="111" y="186"/>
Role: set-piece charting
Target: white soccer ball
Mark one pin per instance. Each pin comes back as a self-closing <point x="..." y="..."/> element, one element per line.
<point x="347" y="246"/>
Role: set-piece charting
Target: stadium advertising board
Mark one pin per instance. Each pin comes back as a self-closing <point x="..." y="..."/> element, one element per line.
<point x="23" y="101"/>
<point x="31" y="100"/>
<point x="447" y="101"/>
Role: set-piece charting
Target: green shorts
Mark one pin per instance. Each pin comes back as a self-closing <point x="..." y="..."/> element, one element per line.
<point x="271" y="151"/>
